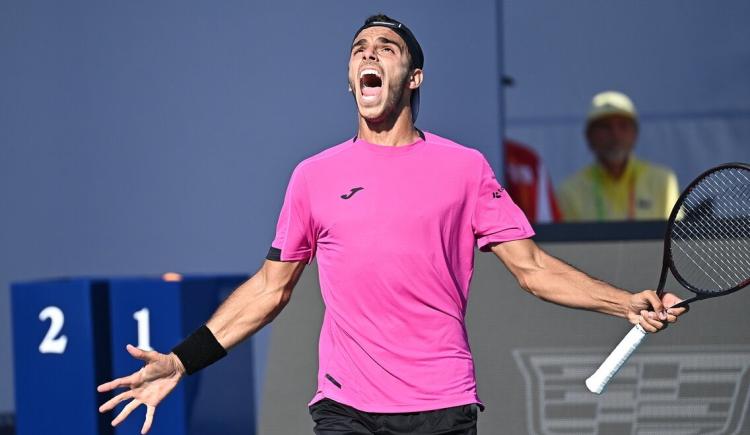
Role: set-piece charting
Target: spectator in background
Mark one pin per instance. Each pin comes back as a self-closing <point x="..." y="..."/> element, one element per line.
<point x="617" y="186"/>
<point x="528" y="183"/>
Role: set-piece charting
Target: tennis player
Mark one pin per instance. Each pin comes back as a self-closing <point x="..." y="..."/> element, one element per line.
<point x="392" y="216"/>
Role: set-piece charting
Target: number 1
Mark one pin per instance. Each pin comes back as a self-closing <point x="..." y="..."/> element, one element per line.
<point x="144" y="329"/>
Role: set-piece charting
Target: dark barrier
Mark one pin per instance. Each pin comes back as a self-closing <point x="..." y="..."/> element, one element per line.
<point x="600" y="231"/>
<point x="7" y="424"/>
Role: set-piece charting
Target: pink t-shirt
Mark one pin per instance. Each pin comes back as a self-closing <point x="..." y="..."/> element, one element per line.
<point x="394" y="229"/>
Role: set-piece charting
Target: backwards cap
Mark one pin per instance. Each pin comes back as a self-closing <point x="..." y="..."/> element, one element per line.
<point x="415" y="50"/>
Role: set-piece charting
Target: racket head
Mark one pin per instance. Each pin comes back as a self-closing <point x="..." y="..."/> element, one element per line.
<point x="707" y="242"/>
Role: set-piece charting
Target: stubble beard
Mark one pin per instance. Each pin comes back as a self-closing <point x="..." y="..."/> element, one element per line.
<point x="616" y="154"/>
<point x="390" y="109"/>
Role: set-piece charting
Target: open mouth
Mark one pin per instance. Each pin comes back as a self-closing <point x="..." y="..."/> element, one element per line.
<point x="370" y="83"/>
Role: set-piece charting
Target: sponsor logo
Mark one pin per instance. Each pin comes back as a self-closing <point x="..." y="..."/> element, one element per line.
<point x="644" y="203"/>
<point x="351" y="193"/>
<point x="686" y="390"/>
<point x="498" y="193"/>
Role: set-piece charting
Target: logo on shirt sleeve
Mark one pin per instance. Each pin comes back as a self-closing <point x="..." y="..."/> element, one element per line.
<point x="498" y="193"/>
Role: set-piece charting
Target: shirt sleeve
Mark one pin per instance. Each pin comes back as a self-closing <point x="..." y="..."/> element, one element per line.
<point x="496" y="217"/>
<point x="295" y="235"/>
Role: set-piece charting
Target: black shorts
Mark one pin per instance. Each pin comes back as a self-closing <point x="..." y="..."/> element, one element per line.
<point x="333" y="418"/>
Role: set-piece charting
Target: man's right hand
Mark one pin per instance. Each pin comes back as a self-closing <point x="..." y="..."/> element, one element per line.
<point x="148" y="386"/>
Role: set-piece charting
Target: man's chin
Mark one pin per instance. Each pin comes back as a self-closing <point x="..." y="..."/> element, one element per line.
<point x="619" y="158"/>
<point x="372" y="114"/>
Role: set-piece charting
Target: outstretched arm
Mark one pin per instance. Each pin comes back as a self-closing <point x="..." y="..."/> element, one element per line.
<point x="552" y="280"/>
<point x="255" y="303"/>
<point x="251" y="306"/>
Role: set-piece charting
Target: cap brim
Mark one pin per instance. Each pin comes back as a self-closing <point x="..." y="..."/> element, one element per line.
<point x="607" y="113"/>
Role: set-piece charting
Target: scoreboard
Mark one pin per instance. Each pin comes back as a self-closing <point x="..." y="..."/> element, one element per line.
<point x="69" y="335"/>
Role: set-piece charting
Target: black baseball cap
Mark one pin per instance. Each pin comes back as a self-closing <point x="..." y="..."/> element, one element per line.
<point x="415" y="50"/>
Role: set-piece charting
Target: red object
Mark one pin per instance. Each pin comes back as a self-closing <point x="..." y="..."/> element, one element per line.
<point x="528" y="183"/>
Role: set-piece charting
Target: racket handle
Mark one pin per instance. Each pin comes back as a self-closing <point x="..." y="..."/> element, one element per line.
<point x="599" y="380"/>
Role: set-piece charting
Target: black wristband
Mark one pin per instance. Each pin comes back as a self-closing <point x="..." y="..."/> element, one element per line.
<point x="199" y="350"/>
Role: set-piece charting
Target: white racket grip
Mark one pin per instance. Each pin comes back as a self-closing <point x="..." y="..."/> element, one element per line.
<point x="599" y="380"/>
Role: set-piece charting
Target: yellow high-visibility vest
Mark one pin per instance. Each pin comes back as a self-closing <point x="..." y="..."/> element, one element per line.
<point x="644" y="191"/>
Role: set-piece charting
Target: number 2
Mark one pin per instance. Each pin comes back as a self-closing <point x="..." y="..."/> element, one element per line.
<point x="51" y="342"/>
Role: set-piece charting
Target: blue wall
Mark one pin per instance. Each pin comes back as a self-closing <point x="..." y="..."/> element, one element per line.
<point x="142" y="137"/>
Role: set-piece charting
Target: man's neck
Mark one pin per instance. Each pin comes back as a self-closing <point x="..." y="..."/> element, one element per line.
<point x="615" y="170"/>
<point x="396" y="131"/>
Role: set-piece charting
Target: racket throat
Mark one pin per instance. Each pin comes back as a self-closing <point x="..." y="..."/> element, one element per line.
<point x="686" y="302"/>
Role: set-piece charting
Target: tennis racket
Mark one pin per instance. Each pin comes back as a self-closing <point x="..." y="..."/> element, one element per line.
<point x="706" y="247"/>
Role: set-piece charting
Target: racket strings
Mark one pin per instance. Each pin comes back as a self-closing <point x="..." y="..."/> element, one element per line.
<point x="695" y="259"/>
<point x="740" y="200"/>
<point x="710" y="237"/>
<point x="726" y="232"/>
<point x="737" y="196"/>
<point x="692" y="227"/>
<point x="688" y="231"/>
<point x="728" y="272"/>
<point x="718" y="259"/>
